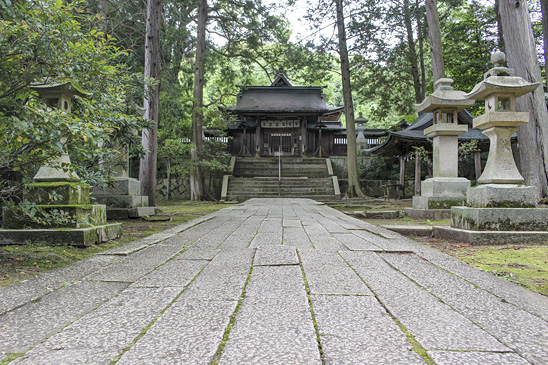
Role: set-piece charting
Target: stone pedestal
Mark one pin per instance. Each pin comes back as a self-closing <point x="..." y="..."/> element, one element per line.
<point x="438" y="195"/>
<point x="499" y="127"/>
<point x="123" y="200"/>
<point x="84" y="223"/>
<point x="498" y="214"/>
<point x="445" y="148"/>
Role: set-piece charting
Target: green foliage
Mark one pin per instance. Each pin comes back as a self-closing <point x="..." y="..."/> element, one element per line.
<point x="423" y="154"/>
<point x="467" y="149"/>
<point x="469" y="35"/>
<point x="215" y="159"/>
<point x="378" y="168"/>
<point x="52" y="41"/>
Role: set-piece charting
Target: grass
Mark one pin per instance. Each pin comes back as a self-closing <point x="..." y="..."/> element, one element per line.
<point x="22" y="262"/>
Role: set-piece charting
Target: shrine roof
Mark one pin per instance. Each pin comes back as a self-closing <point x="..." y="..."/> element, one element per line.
<point x="400" y="142"/>
<point x="282" y="97"/>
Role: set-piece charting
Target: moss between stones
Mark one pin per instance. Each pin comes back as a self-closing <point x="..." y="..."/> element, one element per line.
<point x="508" y="204"/>
<point x="445" y="204"/>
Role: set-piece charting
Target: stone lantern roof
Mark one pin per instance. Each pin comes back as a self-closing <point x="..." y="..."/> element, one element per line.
<point x="501" y="80"/>
<point x="69" y="88"/>
<point x="444" y="97"/>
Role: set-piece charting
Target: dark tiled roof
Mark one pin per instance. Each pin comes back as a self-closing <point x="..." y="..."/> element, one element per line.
<point x="401" y="141"/>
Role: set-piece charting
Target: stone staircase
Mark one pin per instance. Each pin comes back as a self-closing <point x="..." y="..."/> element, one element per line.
<point x="301" y="177"/>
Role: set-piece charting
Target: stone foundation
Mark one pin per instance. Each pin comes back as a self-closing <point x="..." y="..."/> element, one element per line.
<point x="500" y="219"/>
<point x="502" y="196"/>
<point x="123" y="200"/>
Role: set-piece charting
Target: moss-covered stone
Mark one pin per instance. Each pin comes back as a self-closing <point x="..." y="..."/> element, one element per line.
<point x="79" y="237"/>
<point x="77" y="216"/>
<point x="500" y="219"/>
<point x="58" y="193"/>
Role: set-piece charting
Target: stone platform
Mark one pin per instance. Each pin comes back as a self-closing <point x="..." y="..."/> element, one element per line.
<point x="491" y="237"/>
<point x="123" y="200"/>
<point x="272" y="281"/>
<point x="432" y="214"/>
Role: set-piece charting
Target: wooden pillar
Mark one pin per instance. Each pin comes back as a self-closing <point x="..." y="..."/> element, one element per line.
<point x="477" y="164"/>
<point x="304" y="139"/>
<point x="258" y="145"/>
<point x="418" y="165"/>
<point x="402" y="175"/>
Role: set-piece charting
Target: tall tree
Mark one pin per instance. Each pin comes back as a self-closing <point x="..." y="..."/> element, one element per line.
<point x="434" y="33"/>
<point x="522" y="57"/>
<point x="544" y="9"/>
<point x="197" y="184"/>
<point x="352" y="159"/>
<point x="412" y="52"/>
<point x="147" y="170"/>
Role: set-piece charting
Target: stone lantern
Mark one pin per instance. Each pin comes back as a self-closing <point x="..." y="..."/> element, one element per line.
<point x="499" y="180"/>
<point x="60" y="96"/>
<point x="499" y="210"/>
<point x="500" y="121"/>
<point x="444" y="189"/>
<point x="361" y="141"/>
<point x="58" y="191"/>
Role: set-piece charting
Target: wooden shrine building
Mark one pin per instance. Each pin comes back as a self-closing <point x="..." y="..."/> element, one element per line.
<point x="281" y="117"/>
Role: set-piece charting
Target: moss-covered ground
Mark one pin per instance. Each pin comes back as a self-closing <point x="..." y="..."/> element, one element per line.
<point x="524" y="265"/>
<point x="22" y="262"/>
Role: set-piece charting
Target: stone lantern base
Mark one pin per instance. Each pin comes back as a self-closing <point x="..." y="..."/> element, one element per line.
<point x="498" y="214"/>
<point x="85" y="223"/>
<point x="123" y="200"/>
<point x="437" y="197"/>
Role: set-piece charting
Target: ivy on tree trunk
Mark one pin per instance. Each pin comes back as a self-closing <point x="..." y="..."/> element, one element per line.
<point x="147" y="170"/>
<point x="197" y="183"/>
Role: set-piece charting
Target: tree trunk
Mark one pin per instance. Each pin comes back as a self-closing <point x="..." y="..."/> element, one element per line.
<point x="500" y="36"/>
<point x="434" y="33"/>
<point x="420" y="18"/>
<point x="351" y="148"/>
<point x="522" y="57"/>
<point x="544" y="8"/>
<point x="197" y="183"/>
<point x="412" y="51"/>
<point x="147" y="170"/>
<point x="168" y="193"/>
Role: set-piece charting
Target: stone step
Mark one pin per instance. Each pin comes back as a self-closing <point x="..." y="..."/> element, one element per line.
<point x="259" y="177"/>
<point x="315" y="197"/>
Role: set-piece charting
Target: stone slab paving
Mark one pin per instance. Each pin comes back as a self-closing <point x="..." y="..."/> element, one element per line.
<point x="277" y="281"/>
<point x="434" y="324"/>
<point x="358" y="330"/>
<point x="274" y="323"/>
<point x="25" y="327"/>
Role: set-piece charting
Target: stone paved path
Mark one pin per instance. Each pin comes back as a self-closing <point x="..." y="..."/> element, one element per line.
<point x="277" y="281"/>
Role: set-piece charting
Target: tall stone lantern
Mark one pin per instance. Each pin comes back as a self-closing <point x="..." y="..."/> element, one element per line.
<point x="60" y="96"/>
<point x="499" y="210"/>
<point x="59" y="192"/>
<point x="499" y="89"/>
<point x="444" y="189"/>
